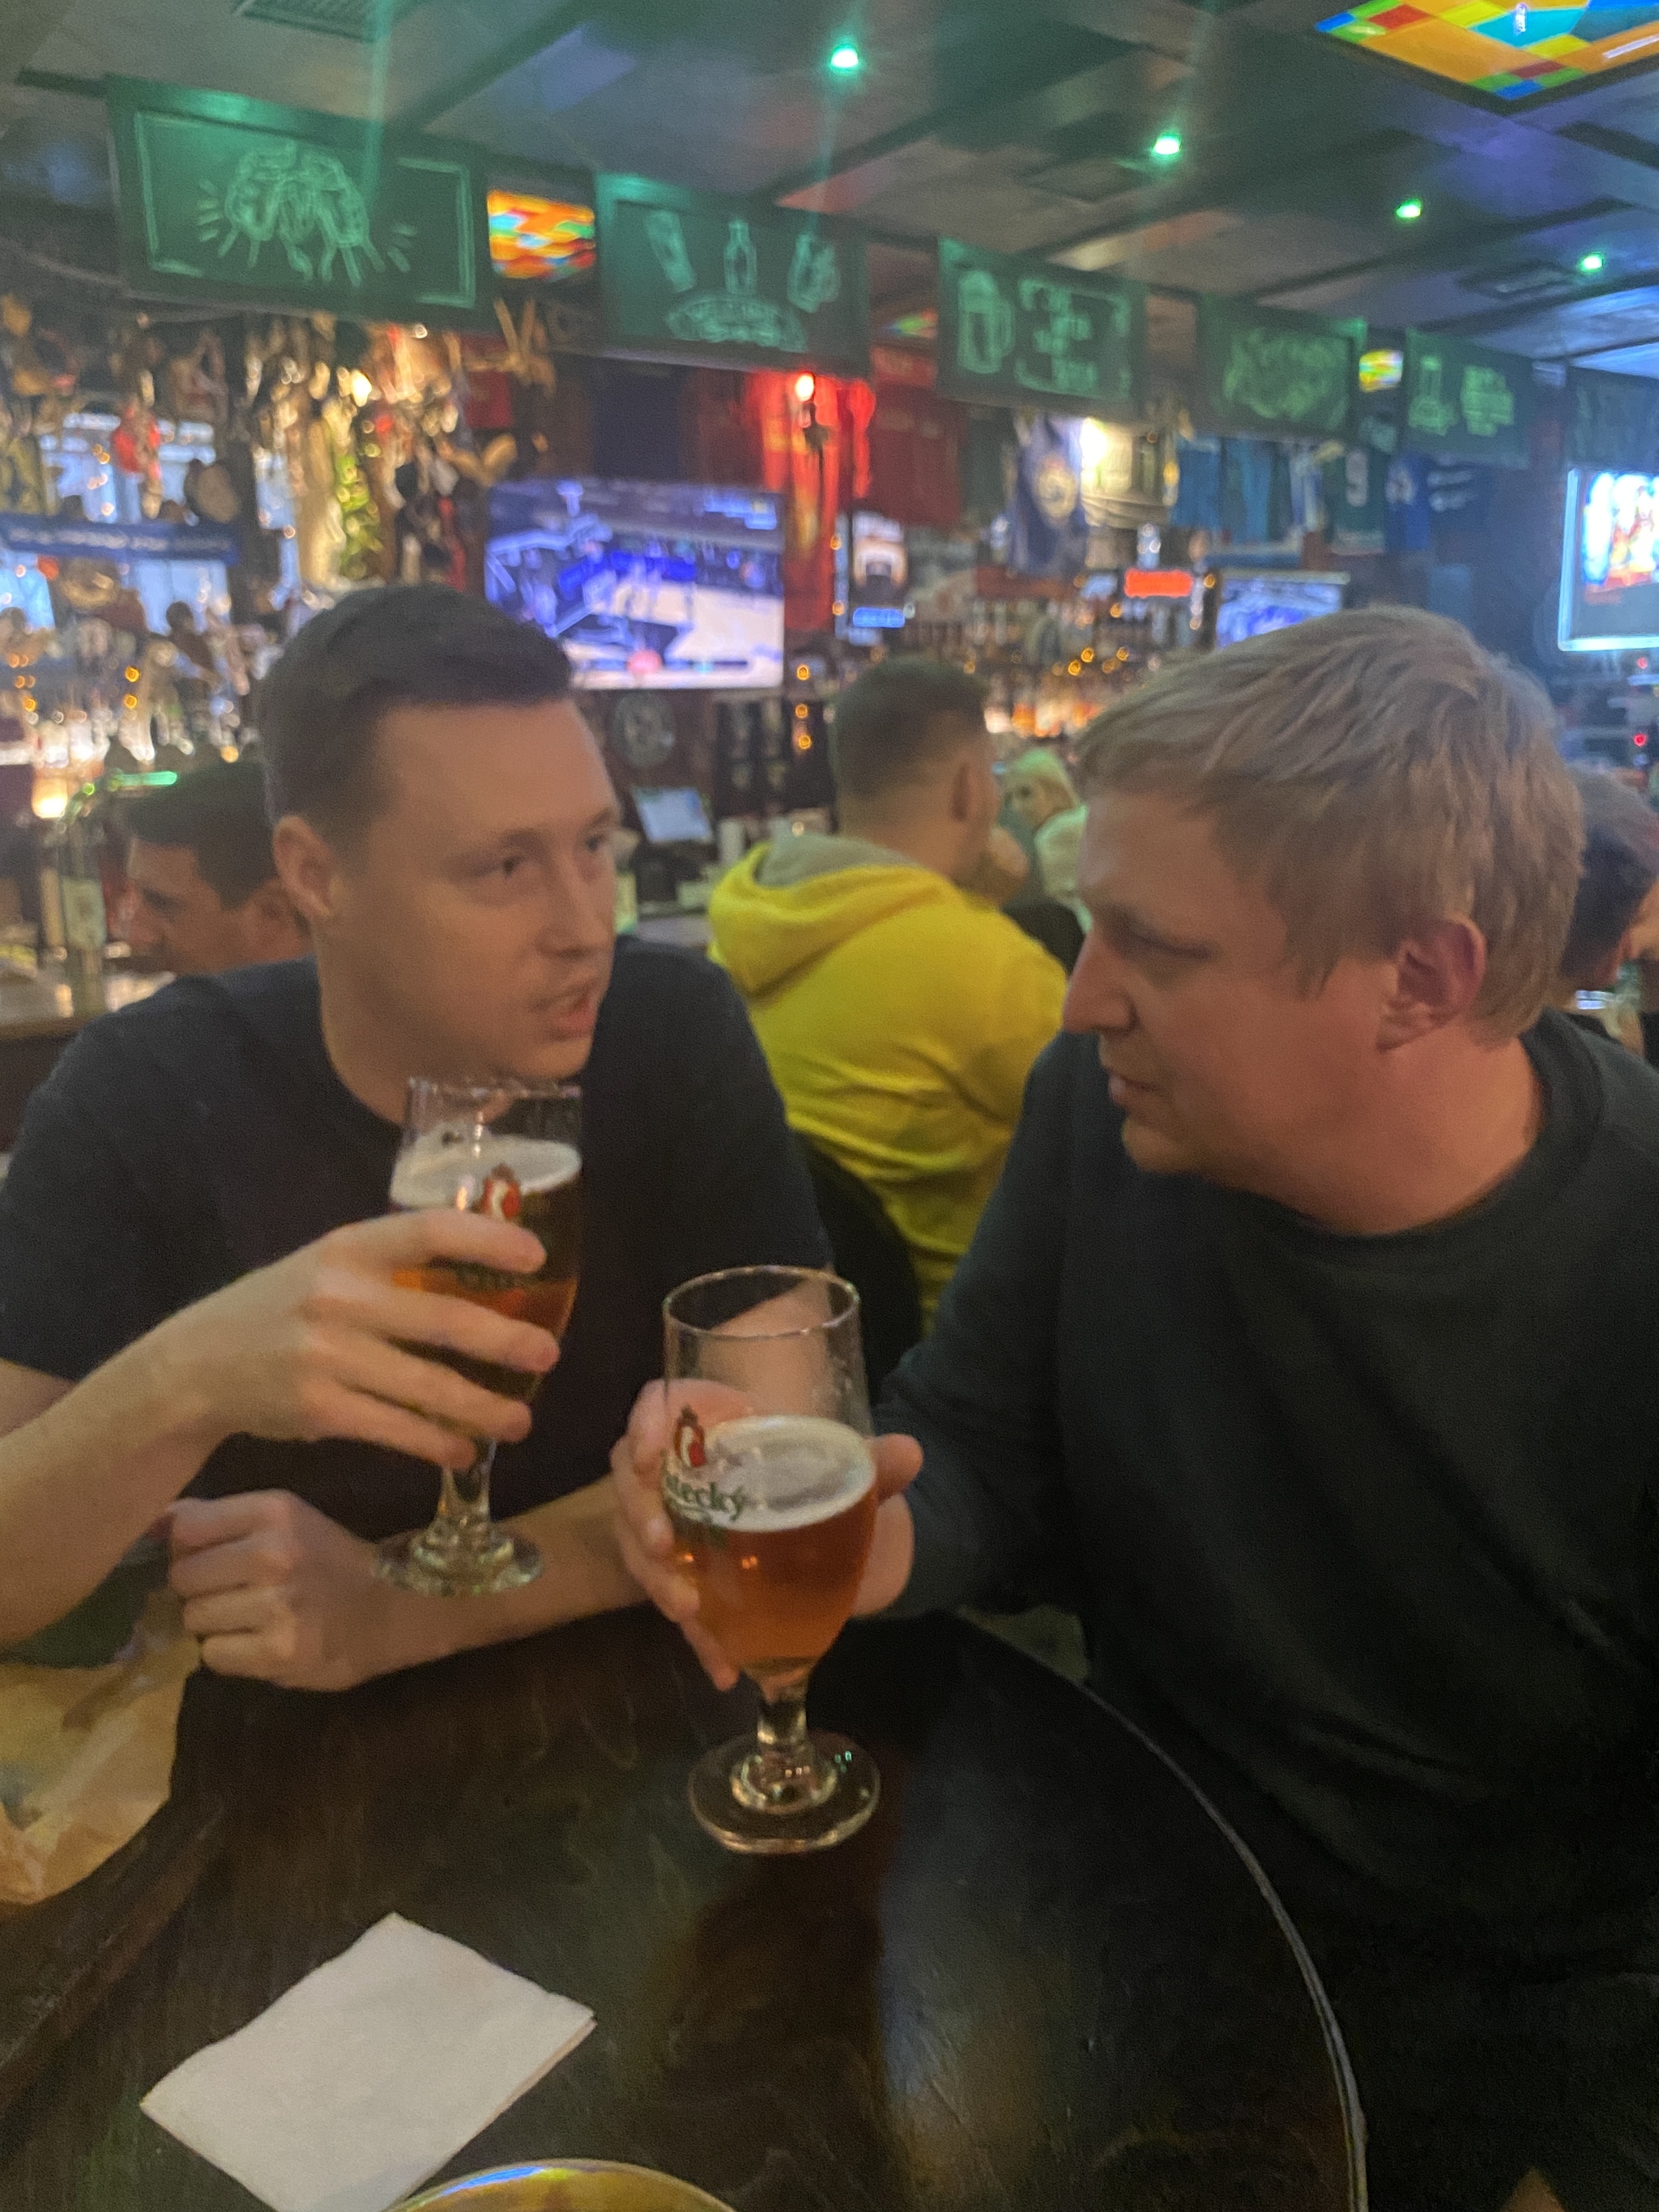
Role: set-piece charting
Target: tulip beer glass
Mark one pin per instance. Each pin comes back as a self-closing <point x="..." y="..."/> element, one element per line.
<point x="769" y="1487"/>
<point x="512" y="1151"/>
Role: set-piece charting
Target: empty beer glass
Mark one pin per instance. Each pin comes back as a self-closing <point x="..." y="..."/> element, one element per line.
<point x="769" y="1487"/>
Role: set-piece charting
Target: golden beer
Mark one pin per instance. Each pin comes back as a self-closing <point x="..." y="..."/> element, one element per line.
<point x="774" y="1514"/>
<point x="534" y="1183"/>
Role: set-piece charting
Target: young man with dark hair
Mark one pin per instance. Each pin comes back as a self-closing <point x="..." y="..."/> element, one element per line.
<point x="203" y="891"/>
<point x="899" y="1011"/>
<point x="197" y="1284"/>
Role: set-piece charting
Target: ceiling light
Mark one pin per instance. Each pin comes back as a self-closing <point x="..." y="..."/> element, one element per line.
<point x="845" y="57"/>
<point x="1166" y="146"/>
<point x="1408" y="211"/>
<point x="1590" y="264"/>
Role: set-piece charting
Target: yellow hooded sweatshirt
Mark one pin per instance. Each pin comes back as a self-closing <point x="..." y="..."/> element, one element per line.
<point x="900" y="1016"/>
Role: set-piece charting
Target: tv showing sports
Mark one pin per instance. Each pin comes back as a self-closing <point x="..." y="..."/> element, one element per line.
<point x="1246" y="606"/>
<point x="1609" y="586"/>
<point x="647" y="587"/>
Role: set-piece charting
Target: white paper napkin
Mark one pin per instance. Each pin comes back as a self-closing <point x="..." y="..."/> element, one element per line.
<point x="370" y="2074"/>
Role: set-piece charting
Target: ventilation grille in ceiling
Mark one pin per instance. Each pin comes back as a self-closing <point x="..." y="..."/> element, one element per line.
<point x="1529" y="282"/>
<point x="366" y="20"/>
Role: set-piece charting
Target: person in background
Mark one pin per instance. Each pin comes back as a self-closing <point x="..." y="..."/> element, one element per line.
<point x="1041" y="792"/>
<point x="1311" y="1324"/>
<point x="203" y="892"/>
<point x="1615" y="915"/>
<point x="899" y="1012"/>
<point x="191" y="644"/>
<point x="199" y="1279"/>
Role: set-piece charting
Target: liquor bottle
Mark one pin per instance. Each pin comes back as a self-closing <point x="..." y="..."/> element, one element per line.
<point x="74" y="861"/>
<point x="51" y="895"/>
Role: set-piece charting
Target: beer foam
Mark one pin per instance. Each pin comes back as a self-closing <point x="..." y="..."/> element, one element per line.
<point x="435" y="1170"/>
<point x="793" y="1468"/>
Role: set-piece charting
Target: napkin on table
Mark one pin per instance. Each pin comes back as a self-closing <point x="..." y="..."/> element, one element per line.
<point x="370" y="2074"/>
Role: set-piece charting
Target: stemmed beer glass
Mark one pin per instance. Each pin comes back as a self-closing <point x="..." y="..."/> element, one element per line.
<point x="512" y="1151"/>
<point x="769" y="1485"/>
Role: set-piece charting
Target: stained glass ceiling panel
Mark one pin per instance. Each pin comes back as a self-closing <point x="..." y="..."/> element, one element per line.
<point x="1511" y="53"/>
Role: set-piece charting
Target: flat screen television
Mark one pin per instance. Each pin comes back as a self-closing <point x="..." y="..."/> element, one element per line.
<point x="1609" y="585"/>
<point x="673" y="817"/>
<point x="647" y="587"/>
<point x="1246" y="606"/>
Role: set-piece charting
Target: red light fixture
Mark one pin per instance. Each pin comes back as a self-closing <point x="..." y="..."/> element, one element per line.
<point x="805" y="387"/>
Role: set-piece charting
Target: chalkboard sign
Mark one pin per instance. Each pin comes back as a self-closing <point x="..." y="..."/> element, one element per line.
<point x="1465" y="400"/>
<point x="1284" y="375"/>
<point x="1613" y="421"/>
<point x="234" y="201"/>
<point x="1028" y="332"/>
<point x="686" y="277"/>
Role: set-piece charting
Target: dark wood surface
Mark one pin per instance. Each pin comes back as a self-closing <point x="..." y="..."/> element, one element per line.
<point x="59" y="1959"/>
<point x="1042" y="1977"/>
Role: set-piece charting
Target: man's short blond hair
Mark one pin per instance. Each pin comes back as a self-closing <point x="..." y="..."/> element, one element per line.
<point x="1375" y="773"/>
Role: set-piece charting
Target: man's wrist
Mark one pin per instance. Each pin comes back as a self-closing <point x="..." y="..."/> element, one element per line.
<point x="175" y="1386"/>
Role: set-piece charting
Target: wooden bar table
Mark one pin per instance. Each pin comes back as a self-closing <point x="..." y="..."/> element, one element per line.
<point x="1042" y="1977"/>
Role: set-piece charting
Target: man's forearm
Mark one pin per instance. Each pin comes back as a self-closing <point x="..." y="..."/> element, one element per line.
<point x="583" y="1573"/>
<point x="82" y="1480"/>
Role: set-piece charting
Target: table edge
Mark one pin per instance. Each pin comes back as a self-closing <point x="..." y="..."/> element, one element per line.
<point x="1353" y="2116"/>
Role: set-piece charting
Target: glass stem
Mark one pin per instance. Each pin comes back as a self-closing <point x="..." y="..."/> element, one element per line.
<point x="463" y="1501"/>
<point x="782" y="1727"/>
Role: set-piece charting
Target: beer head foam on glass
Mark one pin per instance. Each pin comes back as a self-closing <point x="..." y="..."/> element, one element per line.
<point x="512" y="1151"/>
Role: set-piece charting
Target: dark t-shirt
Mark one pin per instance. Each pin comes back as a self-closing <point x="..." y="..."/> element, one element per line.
<point x="1367" y="1525"/>
<point x="184" y="1141"/>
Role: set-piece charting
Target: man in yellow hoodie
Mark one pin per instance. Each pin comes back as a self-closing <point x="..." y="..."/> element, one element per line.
<point x="899" y="1011"/>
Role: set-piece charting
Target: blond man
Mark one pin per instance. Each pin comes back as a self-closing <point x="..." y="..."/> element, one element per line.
<point x="1312" y="1319"/>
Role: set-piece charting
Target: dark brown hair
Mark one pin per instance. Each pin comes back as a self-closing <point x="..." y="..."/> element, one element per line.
<point x="411" y="645"/>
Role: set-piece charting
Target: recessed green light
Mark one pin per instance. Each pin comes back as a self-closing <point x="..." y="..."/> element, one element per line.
<point x="845" y="57"/>
<point x="1408" y="211"/>
<point x="1166" y="145"/>
<point x="1589" y="263"/>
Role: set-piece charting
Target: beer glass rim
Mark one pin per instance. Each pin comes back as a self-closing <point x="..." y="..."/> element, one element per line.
<point x="854" y="1308"/>
<point x="497" y="1086"/>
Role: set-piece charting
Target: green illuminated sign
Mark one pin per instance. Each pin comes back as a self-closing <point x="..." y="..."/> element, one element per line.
<point x="686" y="277"/>
<point x="1464" y="400"/>
<point x="1613" y="421"/>
<point x="234" y="201"/>
<point x="1292" y="375"/>
<point x="1027" y="332"/>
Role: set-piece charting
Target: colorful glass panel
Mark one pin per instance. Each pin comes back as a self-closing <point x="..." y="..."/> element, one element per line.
<point x="536" y="241"/>
<point x="1511" y="53"/>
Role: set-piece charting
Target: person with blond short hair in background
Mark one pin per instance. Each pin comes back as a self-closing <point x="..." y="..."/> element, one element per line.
<point x="1310" y="1327"/>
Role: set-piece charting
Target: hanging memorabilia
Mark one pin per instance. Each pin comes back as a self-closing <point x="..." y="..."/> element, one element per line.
<point x="1049" y="533"/>
<point x="801" y="439"/>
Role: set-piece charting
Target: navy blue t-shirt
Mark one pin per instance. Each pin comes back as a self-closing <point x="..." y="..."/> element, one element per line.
<point x="1365" y="1526"/>
<point x="182" y="1142"/>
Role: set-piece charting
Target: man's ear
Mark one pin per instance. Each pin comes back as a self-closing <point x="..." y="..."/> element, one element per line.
<point x="307" y="867"/>
<point x="1437" y="975"/>
<point x="961" y="791"/>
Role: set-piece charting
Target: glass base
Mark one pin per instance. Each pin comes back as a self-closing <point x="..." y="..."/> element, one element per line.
<point x="816" y="1806"/>
<point x="437" y="1563"/>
